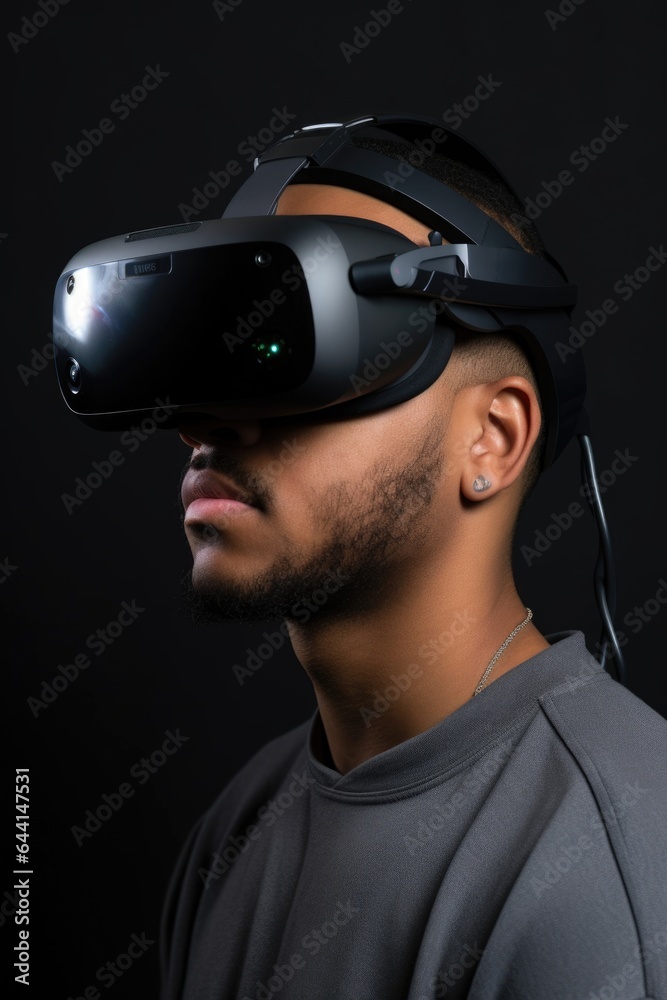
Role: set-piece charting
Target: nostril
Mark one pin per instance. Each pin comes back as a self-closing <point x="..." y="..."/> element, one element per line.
<point x="209" y="427"/>
<point x="226" y="433"/>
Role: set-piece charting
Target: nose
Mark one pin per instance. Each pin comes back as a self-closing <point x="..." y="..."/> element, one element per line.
<point x="209" y="429"/>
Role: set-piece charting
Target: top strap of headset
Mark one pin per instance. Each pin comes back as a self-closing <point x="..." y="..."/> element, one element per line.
<point x="325" y="154"/>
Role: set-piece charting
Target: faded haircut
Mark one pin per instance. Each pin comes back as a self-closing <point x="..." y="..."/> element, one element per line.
<point x="481" y="358"/>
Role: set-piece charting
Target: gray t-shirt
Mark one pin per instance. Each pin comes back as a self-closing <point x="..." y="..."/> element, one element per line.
<point x="517" y="850"/>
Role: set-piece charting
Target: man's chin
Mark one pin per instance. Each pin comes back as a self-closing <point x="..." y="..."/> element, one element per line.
<point x="287" y="591"/>
<point x="211" y="603"/>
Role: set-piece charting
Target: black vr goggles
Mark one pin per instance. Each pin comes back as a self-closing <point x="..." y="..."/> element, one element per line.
<point x="310" y="317"/>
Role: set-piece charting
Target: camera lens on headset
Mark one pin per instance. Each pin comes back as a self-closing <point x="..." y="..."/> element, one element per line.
<point x="73" y="375"/>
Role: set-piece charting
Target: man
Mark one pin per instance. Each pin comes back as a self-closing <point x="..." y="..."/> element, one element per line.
<point x="471" y="811"/>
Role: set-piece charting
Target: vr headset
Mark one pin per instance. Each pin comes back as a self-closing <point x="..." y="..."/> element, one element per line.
<point x="274" y="316"/>
<point x="312" y="318"/>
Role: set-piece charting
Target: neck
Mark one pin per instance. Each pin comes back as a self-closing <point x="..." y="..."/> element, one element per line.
<point x="397" y="670"/>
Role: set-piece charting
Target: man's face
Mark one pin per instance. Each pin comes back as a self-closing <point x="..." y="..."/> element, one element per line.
<point x="339" y="512"/>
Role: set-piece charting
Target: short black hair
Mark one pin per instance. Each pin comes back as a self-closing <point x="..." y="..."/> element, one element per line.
<point x="484" y="190"/>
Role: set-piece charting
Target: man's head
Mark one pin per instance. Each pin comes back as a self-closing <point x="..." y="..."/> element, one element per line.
<point x="346" y="511"/>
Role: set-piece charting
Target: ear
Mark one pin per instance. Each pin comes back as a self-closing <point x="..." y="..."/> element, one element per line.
<point x="505" y="422"/>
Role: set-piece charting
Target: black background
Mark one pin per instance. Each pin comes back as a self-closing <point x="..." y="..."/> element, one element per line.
<point x="226" y="74"/>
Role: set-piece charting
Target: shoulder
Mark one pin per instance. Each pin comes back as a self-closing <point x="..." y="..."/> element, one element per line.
<point x="258" y="779"/>
<point x="234" y="809"/>
<point x="594" y="843"/>
<point x="619" y="745"/>
<point x="618" y="741"/>
<point x="614" y="735"/>
<point x="609" y="730"/>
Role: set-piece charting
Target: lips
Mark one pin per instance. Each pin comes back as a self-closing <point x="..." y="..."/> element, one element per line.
<point x="207" y="485"/>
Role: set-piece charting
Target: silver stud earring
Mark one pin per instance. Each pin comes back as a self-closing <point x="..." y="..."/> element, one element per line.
<point x="481" y="484"/>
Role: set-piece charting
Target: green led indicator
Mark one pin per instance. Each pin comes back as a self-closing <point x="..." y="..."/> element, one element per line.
<point x="267" y="350"/>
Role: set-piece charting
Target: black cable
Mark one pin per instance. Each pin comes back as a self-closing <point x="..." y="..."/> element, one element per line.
<point x="605" y="580"/>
